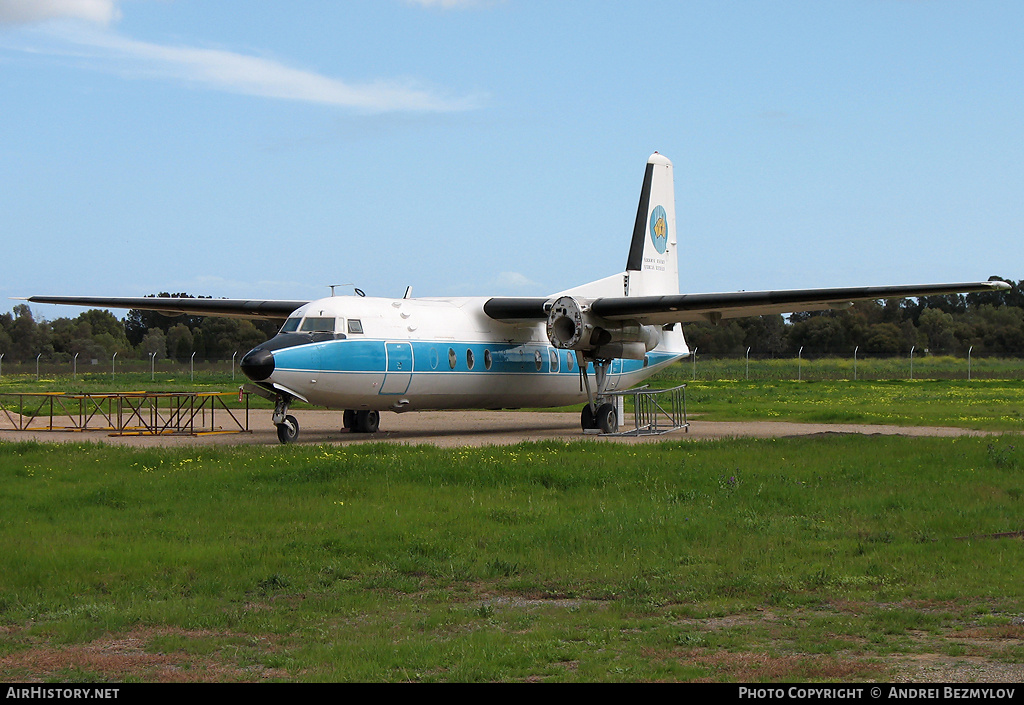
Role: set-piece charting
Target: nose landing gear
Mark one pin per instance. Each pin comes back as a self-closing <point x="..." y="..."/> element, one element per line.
<point x="287" y="425"/>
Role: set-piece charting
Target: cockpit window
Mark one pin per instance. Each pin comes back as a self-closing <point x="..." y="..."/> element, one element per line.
<point x="311" y="324"/>
<point x="355" y="325"/>
<point x="291" y="325"/>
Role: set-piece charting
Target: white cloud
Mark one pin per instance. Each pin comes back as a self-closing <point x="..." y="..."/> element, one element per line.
<point x="514" y="280"/>
<point x="216" y="69"/>
<point x="102" y="12"/>
<point x="258" y="76"/>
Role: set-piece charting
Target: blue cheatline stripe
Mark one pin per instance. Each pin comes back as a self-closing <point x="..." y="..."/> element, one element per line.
<point x="434" y="356"/>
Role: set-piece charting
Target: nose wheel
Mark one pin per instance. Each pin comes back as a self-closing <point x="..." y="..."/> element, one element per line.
<point x="287" y="426"/>
<point x="288" y="430"/>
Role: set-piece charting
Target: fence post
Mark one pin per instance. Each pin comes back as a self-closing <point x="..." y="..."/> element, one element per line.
<point x="192" y="366"/>
<point x="855" y="349"/>
<point x="748" y="363"/>
<point x="912" y="361"/>
<point x="968" y="362"/>
<point x="113" y="366"/>
<point x="37" y="366"/>
<point x="694" y="355"/>
<point x="799" y="363"/>
<point x="74" y="368"/>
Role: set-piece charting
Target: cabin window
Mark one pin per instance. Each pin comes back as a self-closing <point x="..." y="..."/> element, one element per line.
<point x="538" y="360"/>
<point x="452" y="358"/>
<point x="553" y="356"/>
<point x="313" y="324"/>
<point x="291" y="325"/>
<point x="487" y="360"/>
<point x="470" y="360"/>
<point x="569" y="359"/>
<point x="355" y="325"/>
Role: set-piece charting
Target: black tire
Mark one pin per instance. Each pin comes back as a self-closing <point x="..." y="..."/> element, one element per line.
<point x="588" y="420"/>
<point x="349" y="419"/>
<point x="607" y="419"/>
<point x="367" y="422"/>
<point x="288" y="431"/>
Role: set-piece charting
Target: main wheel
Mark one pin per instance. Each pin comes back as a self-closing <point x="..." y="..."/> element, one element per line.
<point x="607" y="419"/>
<point x="588" y="420"/>
<point x="288" y="431"/>
<point x="367" y="422"/>
<point x="349" y="419"/>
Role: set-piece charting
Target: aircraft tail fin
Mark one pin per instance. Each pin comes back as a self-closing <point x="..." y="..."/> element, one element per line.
<point x="652" y="265"/>
<point x="652" y="268"/>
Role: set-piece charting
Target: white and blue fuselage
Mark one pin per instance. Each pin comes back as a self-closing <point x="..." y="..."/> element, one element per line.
<point x="349" y="352"/>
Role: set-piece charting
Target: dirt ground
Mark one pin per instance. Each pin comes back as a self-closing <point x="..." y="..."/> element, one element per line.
<point x="465" y="428"/>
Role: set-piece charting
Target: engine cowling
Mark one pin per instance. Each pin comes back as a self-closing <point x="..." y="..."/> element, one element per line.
<point x="571" y="326"/>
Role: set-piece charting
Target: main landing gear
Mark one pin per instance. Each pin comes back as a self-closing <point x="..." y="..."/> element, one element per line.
<point x="364" y="421"/>
<point x="604" y="419"/>
<point x="599" y="413"/>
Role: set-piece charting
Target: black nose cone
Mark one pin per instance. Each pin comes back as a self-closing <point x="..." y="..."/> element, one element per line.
<point x="258" y="364"/>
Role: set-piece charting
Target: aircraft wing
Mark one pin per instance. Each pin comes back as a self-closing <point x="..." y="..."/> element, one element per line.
<point x="683" y="308"/>
<point x="234" y="308"/>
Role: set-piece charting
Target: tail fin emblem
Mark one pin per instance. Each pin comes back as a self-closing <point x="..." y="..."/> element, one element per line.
<point x="659" y="229"/>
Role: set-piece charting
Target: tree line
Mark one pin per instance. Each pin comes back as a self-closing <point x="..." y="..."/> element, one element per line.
<point x="987" y="322"/>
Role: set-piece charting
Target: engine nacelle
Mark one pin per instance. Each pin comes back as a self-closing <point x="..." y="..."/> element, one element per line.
<point x="571" y="326"/>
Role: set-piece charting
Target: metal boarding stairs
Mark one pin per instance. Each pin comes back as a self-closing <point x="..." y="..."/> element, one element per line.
<point x="655" y="411"/>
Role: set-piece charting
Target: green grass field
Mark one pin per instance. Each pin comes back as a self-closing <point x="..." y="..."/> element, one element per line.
<point x="831" y="558"/>
<point x="827" y="558"/>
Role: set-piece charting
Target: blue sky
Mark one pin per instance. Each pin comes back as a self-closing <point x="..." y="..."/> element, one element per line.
<point x="245" y="148"/>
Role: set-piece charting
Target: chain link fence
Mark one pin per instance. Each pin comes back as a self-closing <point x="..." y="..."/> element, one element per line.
<point x="811" y="367"/>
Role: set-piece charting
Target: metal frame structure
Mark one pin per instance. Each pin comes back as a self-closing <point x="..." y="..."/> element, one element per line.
<point x="126" y="413"/>
<point x="656" y="411"/>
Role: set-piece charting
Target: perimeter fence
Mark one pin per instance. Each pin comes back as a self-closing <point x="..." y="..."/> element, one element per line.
<point x="113" y="367"/>
<point x="811" y="367"/>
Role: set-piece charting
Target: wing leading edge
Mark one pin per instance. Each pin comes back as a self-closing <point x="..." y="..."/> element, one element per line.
<point x="685" y="308"/>
<point x="232" y="308"/>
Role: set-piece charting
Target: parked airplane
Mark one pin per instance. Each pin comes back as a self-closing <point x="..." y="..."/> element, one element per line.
<point x="366" y="355"/>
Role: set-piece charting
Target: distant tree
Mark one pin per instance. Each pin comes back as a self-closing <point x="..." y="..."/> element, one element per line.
<point x="936" y="326"/>
<point x="884" y="338"/>
<point x="139" y="322"/>
<point x="101" y="321"/>
<point x="179" y="341"/>
<point x="154" y="342"/>
<point x="726" y="338"/>
<point x="822" y="333"/>
<point x="28" y="338"/>
<point x="765" y="335"/>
